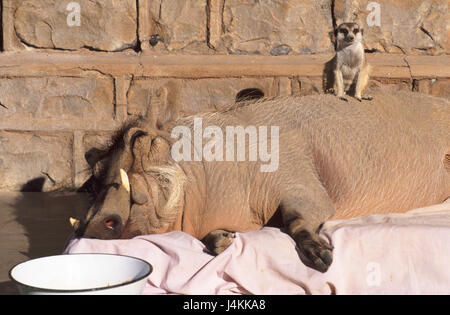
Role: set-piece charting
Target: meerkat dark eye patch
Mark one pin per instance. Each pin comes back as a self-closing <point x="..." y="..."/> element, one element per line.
<point x="355" y="31"/>
<point x="343" y="31"/>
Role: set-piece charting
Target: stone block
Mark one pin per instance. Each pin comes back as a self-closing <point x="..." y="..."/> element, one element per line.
<point x="388" y="85"/>
<point x="307" y="86"/>
<point x="276" y="27"/>
<point x="56" y="103"/>
<point x="192" y="96"/>
<point x="441" y="88"/>
<point x="104" y="25"/>
<point x="173" y="25"/>
<point x="435" y="87"/>
<point x="29" y="160"/>
<point x="411" y="27"/>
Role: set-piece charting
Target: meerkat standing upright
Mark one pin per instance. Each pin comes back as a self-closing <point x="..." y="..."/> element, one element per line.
<point x="351" y="70"/>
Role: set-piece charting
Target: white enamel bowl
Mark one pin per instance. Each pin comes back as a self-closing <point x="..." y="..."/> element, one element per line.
<point x="81" y="274"/>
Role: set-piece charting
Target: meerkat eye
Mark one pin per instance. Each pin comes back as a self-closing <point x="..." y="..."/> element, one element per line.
<point x="343" y="31"/>
<point x="355" y="31"/>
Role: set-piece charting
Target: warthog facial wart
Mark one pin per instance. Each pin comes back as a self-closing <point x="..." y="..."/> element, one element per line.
<point x="213" y="150"/>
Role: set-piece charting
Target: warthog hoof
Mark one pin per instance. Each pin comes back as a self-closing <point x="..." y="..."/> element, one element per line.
<point x="217" y="241"/>
<point x="314" y="251"/>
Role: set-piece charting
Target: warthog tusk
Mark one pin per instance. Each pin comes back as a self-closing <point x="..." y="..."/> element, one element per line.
<point x="125" y="181"/>
<point x="74" y="222"/>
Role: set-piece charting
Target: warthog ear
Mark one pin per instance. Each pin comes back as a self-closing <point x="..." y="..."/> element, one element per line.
<point x="132" y="134"/>
<point x="165" y="105"/>
<point x="94" y="155"/>
<point x="333" y="35"/>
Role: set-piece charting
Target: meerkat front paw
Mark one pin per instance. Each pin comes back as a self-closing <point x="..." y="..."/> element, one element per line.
<point x="365" y="98"/>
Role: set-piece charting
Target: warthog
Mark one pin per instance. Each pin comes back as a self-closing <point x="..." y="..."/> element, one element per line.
<point x="336" y="160"/>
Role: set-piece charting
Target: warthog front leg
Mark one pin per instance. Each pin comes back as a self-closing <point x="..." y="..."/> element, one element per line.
<point x="304" y="210"/>
<point x="217" y="241"/>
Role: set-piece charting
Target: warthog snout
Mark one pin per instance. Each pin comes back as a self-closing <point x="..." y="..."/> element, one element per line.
<point x="108" y="216"/>
<point x="102" y="226"/>
<point x="113" y="223"/>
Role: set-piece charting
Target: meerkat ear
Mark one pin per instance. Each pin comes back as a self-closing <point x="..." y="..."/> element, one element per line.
<point x="332" y="35"/>
<point x="362" y="31"/>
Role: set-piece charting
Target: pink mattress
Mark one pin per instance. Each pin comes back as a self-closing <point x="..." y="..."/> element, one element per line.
<point x="379" y="254"/>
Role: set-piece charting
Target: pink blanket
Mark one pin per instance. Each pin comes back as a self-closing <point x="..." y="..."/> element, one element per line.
<point x="379" y="254"/>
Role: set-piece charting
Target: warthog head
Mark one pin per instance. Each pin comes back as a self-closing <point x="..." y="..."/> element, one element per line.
<point x="136" y="186"/>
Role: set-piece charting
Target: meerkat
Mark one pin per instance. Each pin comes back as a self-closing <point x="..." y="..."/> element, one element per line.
<point x="350" y="68"/>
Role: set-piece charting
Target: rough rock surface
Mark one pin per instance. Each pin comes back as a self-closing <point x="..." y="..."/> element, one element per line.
<point x="27" y="156"/>
<point x="104" y="24"/>
<point x="436" y="87"/>
<point x="178" y="24"/>
<point x="56" y="102"/>
<point x="267" y="27"/>
<point x="277" y="27"/>
<point x="192" y="95"/>
<point x="412" y="27"/>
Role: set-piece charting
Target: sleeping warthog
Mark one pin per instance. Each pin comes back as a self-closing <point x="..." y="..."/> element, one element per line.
<point x="336" y="160"/>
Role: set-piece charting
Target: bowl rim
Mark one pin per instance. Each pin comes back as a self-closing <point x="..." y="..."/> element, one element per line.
<point x="15" y="281"/>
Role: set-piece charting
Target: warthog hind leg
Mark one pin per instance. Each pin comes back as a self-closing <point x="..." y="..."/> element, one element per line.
<point x="217" y="241"/>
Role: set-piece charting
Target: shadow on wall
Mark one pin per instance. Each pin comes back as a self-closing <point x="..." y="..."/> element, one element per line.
<point x="45" y="217"/>
<point x="38" y="225"/>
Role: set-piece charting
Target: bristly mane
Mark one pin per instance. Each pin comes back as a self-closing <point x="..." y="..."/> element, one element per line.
<point x="115" y="144"/>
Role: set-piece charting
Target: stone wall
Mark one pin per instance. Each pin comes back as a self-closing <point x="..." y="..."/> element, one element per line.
<point x="268" y="27"/>
<point x="73" y="71"/>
